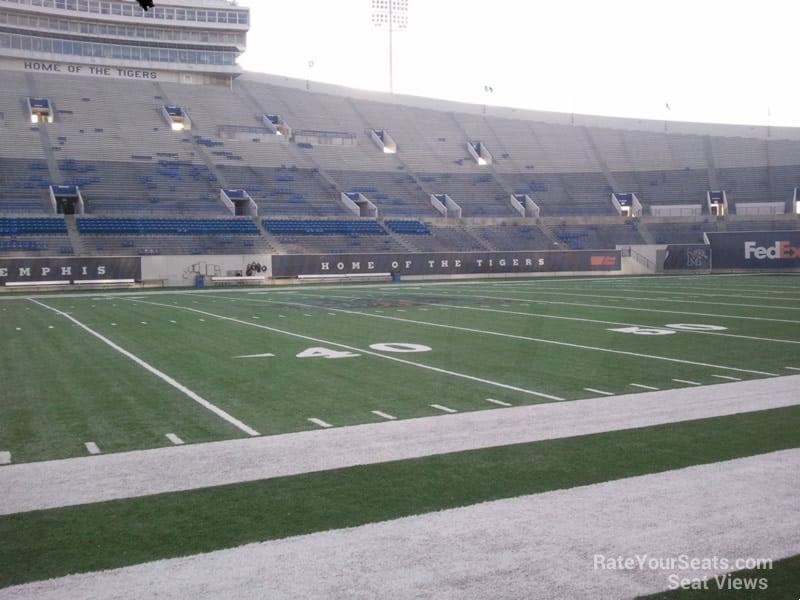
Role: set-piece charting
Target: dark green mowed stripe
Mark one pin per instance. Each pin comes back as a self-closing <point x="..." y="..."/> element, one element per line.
<point x="782" y="583"/>
<point x="53" y="543"/>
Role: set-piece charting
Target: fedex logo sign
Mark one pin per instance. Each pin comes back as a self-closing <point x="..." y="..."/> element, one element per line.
<point x="780" y="250"/>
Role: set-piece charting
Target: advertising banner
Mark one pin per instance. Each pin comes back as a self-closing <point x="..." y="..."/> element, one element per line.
<point x="756" y="249"/>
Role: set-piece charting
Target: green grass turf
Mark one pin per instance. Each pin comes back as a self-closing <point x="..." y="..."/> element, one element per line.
<point x="62" y="387"/>
<point x="85" y="538"/>
<point x="782" y="583"/>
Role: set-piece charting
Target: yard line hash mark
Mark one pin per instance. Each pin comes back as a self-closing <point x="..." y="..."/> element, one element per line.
<point x="645" y="387"/>
<point x="175" y="439"/>
<point x="498" y="402"/>
<point x="5" y="457"/>
<point x="601" y="392"/>
<point x="92" y="448"/>
<point x="384" y="415"/>
<point x="728" y="377"/>
<point x="321" y="423"/>
<point x="443" y="408"/>
<point x="687" y="381"/>
<point x="161" y="375"/>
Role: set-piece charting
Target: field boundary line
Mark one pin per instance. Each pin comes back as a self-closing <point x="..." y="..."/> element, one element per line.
<point x="160" y="374"/>
<point x="526" y="338"/>
<point x="354" y="348"/>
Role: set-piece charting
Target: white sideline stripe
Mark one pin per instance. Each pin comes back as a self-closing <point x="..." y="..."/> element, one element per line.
<point x="161" y="375"/>
<point x="360" y="350"/>
<point x="686" y="381"/>
<point x="645" y="387"/>
<point x="498" y="402"/>
<point x="601" y="392"/>
<point x="520" y="337"/>
<point x="321" y="423"/>
<point x="92" y="448"/>
<point x="383" y="415"/>
<point x="792" y="368"/>
<point x="728" y="377"/>
<point x="175" y="439"/>
<point x="443" y="408"/>
<point x="5" y="458"/>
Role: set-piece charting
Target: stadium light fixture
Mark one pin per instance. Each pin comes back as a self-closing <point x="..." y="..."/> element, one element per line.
<point x="391" y="15"/>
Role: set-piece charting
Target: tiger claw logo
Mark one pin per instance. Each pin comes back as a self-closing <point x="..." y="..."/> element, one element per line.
<point x="780" y="250"/>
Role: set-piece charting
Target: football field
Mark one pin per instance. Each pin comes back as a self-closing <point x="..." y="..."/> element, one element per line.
<point x="103" y="373"/>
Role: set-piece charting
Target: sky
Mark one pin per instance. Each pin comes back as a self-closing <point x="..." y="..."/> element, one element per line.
<point x="687" y="60"/>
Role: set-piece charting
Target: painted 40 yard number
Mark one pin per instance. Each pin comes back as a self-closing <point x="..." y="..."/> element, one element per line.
<point x="668" y="329"/>
<point x="398" y="347"/>
<point x="323" y="352"/>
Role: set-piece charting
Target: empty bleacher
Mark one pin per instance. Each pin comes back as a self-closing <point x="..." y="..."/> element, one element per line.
<point x="145" y="236"/>
<point x="110" y="140"/>
<point x="34" y="236"/>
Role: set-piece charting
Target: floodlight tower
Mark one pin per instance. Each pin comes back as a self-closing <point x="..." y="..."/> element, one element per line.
<point x="392" y="15"/>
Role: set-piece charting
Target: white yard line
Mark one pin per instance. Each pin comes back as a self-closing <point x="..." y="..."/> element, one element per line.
<point x="601" y="392"/>
<point x="444" y="408"/>
<point x="644" y="387"/>
<point x="504" y="549"/>
<point x="69" y="482"/>
<point x="174" y="439"/>
<point x="5" y="457"/>
<point x="160" y="374"/>
<point x="585" y="320"/>
<point x="641" y="309"/>
<point x="792" y="368"/>
<point x="320" y="423"/>
<point x="358" y="350"/>
<point x="662" y="299"/>
<point x="522" y="337"/>
<point x="687" y="381"/>
<point x="728" y="377"/>
<point x="627" y="308"/>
